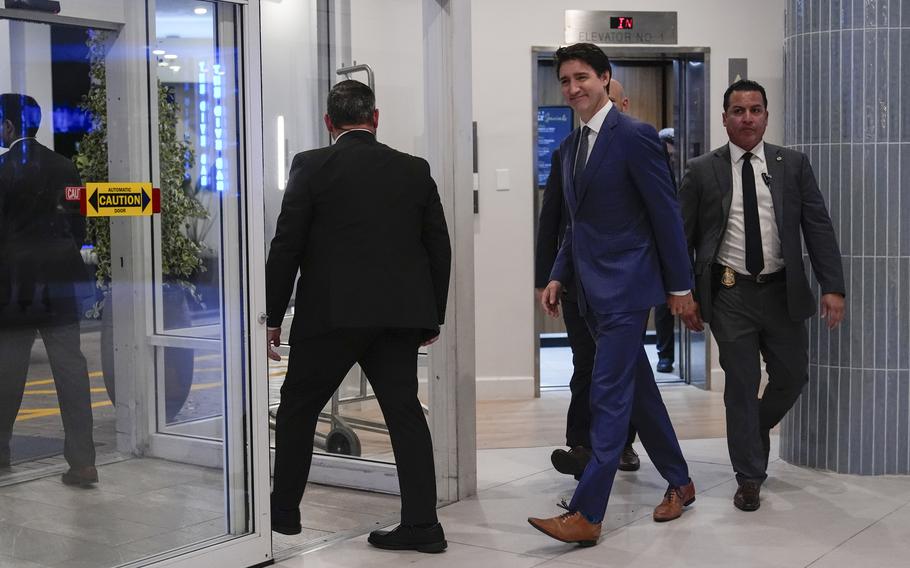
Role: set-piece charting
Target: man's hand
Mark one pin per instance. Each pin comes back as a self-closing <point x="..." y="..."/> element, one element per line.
<point x="692" y="319"/>
<point x="274" y="340"/>
<point x="549" y="298"/>
<point x="687" y="309"/>
<point x="680" y="305"/>
<point x="832" y="309"/>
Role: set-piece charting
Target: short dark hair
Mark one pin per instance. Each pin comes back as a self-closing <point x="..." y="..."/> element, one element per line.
<point x="22" y="110"/>
<point x="350" y="102"/>
<point x="744" y="85"/>
<point x="586" y="53"/>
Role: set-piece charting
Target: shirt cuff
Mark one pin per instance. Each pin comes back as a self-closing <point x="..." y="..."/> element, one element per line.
<point x="274" y="328"/>
<point x="679" y="292"/>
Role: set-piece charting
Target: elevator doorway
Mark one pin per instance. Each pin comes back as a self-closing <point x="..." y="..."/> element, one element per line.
<point x="668" y="89"/>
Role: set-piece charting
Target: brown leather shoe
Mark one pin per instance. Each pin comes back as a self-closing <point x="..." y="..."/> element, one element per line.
<point x="748" y="496"/>
<point x="569" y="527"/>
<point x="82" y="476"/>
<point x="674" y="500"/>
<point x="629" y="461"/>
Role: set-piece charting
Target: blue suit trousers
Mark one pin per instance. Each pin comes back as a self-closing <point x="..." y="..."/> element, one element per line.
<point x="623" y="389"/>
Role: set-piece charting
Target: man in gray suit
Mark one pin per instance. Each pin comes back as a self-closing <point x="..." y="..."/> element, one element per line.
<point x="744" y="206"/>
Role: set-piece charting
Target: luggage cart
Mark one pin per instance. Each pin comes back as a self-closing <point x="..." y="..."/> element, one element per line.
<point x="341" y="437"/>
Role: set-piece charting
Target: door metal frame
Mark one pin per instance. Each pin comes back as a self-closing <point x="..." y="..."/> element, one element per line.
<point x="244" y="451"/>
<point x="451" y="367"/>
<point x="619" y="53"/>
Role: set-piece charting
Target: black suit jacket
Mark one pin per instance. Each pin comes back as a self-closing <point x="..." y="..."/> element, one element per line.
<point x="551" y="225"/>
<point x="363" y="225"/>
<point x="705" y="196"/>
<point x="41" y="270"/>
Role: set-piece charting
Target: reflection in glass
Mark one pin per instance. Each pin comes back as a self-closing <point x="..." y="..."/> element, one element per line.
<point x="152" y="507"/>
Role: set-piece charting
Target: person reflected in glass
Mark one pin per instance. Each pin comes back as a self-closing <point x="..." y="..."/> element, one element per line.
<point x="41" y="269"/>
<point x="364" y="227"/>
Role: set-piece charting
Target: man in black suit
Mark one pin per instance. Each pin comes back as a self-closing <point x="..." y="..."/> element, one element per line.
<point x="364" y="226"/>
<point x="744" y="206"/>
<point x="40" y="271"/>
<point x="550" y="229"/>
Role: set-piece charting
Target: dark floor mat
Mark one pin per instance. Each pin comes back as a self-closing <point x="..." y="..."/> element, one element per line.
<point x="30" y="448"/>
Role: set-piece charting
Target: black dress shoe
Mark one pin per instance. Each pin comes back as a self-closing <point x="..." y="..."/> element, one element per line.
<point x="747" y="496"/>
<point x="285" y="521"/>
<point x="84" y="476"/>
<point x="572" y="462"/>
<point x="665" y="366"/>
<point x="430" y="539"/>
<point x="629" y="461"/>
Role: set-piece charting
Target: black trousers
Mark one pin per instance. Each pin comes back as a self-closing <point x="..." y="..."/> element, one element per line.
<point x="71" y="380"/>
<point x="578" y="418"/>
<point x="663" y="327"/>
<point x="751" y="320"/>
<point x="316" y="367"/>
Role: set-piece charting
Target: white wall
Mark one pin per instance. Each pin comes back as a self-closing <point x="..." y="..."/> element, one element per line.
<point x="388" y="37"/>
<point x="290" y="89"/>
<point x="26" y="68"/>
<point x="503" y="33"/>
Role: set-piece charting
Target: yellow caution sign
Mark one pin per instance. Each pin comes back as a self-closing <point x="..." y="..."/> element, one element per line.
<point x="119" y="199"/>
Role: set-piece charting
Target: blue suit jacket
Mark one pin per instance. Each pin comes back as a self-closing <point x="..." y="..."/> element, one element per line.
<point x="624" y="245"/>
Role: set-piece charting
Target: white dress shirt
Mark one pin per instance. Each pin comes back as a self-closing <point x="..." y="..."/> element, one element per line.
<point x="732" y="250"/>
<point x="595" y="124"/>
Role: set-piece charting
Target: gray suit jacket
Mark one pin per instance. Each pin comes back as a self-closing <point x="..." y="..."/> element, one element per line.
<point x="705" y="196"/>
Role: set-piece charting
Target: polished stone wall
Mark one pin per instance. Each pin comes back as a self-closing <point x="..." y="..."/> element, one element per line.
<point x="848" y="107"/>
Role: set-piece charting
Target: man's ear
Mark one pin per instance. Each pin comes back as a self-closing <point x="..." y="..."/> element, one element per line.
<point x="376" y="118"/>
<point x="328" y="123"/>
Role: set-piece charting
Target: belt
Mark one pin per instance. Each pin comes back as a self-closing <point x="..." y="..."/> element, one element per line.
<point x="758" y="279"/>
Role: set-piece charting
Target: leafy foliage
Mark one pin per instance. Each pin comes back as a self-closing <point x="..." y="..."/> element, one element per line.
<point x="91" y="159"/>
<point x="181" y="255"/>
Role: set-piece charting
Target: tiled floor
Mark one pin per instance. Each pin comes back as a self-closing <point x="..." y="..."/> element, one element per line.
<point x="808" y="518"/>
<point x="141" y="507"/>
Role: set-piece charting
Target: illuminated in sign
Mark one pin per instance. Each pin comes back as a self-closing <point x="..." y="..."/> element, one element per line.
<point x="620" y="23"/>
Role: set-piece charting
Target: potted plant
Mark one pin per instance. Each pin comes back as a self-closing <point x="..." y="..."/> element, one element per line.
<point x="181" y="255"/>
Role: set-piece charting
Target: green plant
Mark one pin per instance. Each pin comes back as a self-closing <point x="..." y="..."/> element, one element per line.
<point x="181" y="255"/>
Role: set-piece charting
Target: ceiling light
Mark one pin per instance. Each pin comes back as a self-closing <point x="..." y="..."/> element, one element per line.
<point x="170" y="56"/>
<point x="175" y="68"/>
<point x="200" y="11"/>
<point x="158" y="52"/>
<point x="162" y="63"/>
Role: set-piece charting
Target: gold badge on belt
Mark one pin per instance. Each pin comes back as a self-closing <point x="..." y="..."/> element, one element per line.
<point x="728" y="277"/>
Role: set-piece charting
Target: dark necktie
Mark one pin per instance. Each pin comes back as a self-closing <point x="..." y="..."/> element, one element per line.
<point x="581" y="157"/>
<point x="755" y="261"/>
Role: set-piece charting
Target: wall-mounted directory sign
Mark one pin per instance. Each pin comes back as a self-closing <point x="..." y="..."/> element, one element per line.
<point x="554" y="123"/>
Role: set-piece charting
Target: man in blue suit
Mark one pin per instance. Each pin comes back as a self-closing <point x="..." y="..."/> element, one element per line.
<point x="625" y="251"/>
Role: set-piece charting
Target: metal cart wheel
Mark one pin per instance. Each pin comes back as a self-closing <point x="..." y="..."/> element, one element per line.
<point x="343" y="441"/>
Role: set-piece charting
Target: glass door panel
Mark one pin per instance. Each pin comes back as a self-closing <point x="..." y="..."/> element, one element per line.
<point x="170" y="407"/>
<point x="380" y="45"/>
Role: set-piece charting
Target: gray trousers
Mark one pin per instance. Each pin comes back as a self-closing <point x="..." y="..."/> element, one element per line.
<point x="71" y="380"/>
<point x="749" y="320"/>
